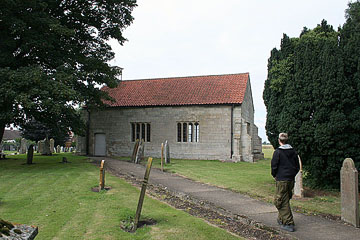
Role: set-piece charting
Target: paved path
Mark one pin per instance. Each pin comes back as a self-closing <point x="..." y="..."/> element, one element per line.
<point x="307" y="227"/>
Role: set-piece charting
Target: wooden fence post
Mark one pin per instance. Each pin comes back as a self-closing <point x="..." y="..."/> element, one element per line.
<point x="102" y="176"/>
<point x="162" y="156"/>
<point x="142" y="193"/>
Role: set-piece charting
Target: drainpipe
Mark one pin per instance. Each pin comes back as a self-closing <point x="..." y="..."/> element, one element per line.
<point x="88" y="133"/>
<point x="232" y="131"/>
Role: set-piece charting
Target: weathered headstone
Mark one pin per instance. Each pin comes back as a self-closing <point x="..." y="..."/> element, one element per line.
<point x="140" y="152"/>
<point x="136" y="146"/>
<point x="46" y="149"/>
<point x="142" y="193"/>
<point x="23" y="146"/>
<point x="298" y="188"/>
<point x="349" y="192"/>
<point x="58" y="148"/>
<point x="52" y="145"/>
<point x="167" y="152"/>
<point x="30" y="154"/>
<point x="41" y="146"/>
<point x="102" y="176"/>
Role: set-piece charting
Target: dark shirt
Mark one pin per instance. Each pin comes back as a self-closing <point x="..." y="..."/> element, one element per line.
<point x="285" y="163"/>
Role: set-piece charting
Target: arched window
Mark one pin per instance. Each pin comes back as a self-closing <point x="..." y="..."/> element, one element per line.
<point x="190" y="132"/>
<point x="197" y="132"/>
<point x="184" y="132"/>
<point x="179" y="132"/>
<point x="141" y="131"/>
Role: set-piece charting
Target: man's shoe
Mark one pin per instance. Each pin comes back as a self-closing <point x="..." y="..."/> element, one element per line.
<point x="289" y="228"/>
<point x="279" y="222"/>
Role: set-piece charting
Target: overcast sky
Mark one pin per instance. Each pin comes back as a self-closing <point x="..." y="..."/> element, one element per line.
<point x="176" y="38"/>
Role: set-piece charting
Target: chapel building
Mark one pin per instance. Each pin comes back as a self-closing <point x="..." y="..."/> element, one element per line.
<point x="201" y="117"/>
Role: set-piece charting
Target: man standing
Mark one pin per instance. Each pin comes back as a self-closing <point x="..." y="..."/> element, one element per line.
<point x="284" y="167"/>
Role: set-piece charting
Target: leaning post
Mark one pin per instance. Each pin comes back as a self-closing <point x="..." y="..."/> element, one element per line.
<point x="162" y="157"/>
<point x="142" y="193"/>
<point x="102" y="176"/>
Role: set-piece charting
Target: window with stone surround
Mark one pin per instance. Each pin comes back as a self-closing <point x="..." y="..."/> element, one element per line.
<point x="188" y="132"/>
<point x="141" y="131"/>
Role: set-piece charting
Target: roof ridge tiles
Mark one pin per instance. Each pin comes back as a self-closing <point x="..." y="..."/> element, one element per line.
<point x="194" y="76"/>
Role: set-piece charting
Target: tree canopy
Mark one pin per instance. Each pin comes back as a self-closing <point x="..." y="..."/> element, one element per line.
<point x="313" y="93"/>
<point x="53" y="56"/>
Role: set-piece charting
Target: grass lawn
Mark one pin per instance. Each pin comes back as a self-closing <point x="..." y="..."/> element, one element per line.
<point x="253" y="179"/>
<point x="57" y="198"/>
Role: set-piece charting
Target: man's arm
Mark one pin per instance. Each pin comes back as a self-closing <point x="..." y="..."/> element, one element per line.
<point x="275" y="163"/>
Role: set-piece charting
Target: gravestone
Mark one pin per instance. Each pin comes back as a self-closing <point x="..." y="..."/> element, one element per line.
<point x="30" y="154"/>
<point x="136" y="146"/>
<point x="140" y="152"/>
<point x="298" y="188"/>
<point x="41" y="146"/>
<point x="349" y="192"/>
<point x="46" y="147"/>
<point x="38" y="147"/>
<point x="167" y="152"/>
<point x="52" y="143"/>
<point x="23" y="146"/>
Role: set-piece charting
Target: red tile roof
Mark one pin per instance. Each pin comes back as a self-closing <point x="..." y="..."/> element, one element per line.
<point x="197" y="90"/>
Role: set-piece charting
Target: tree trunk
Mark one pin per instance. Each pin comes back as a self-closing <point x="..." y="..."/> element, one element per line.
<point x="2" y="130"/>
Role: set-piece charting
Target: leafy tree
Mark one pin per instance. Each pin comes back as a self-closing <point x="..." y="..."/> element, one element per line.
<point x="37" y="131"/>
<point x="312" y="92"/>
<point x="53" y="56"/>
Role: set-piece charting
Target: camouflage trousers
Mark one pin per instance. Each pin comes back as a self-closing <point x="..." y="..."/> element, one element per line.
<point x="284" y="192"/>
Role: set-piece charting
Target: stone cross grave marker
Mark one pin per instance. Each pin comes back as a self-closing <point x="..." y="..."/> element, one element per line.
<point x="136" y="146"/>
<point x="52" y="143"/>
<point x="140" y="152"/>
<point x="30" y="155"/>
<point x="299" y="189"/>
<point x="142" y="193"/>
<point x="23" y="146"/>
<point x="102" y="176"/>
<point x="349" y="192"/>
<point x="167" y="152"/>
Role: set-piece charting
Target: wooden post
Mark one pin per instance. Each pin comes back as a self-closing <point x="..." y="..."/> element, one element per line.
<point x="142" y="193"/>
<point x="162" y="156"/>
<point x="102" y="176"/>
<point x="136" y="145"/>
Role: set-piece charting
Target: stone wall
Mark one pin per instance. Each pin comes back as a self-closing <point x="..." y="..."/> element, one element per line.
<point x="214" y="122"/>
<point x="244" y="127"/>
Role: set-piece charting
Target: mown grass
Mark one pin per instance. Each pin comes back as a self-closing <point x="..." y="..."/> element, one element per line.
<point x="253" y="179"/>
<point x="57" y="198"/>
